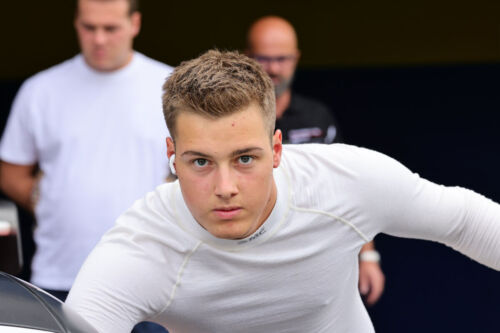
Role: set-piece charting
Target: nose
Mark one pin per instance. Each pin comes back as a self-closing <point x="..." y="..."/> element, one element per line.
<point x="225" y="183"/>
<point x="273" y="67"/>
<point x="99" y="37"/>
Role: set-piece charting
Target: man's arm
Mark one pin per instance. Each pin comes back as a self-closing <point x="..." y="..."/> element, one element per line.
<point x="404" y="205"/>
<point x="18" y="182"/>
<point x="371" y="278"/>
<point x="111" y="290"/>
<point x="126" y="278"/>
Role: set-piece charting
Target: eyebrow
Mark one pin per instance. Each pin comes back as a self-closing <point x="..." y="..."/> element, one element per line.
<point x="233" y="154"/>
<point x="246" y="151"/>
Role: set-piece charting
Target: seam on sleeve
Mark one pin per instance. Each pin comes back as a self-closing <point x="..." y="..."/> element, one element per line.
<point x="317" y="211"/>
<point x="344" y="221"/>
<point x="179" y="276"/>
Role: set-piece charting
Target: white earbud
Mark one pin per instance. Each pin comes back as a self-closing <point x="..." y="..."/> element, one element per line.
<point x="171" y="163"/>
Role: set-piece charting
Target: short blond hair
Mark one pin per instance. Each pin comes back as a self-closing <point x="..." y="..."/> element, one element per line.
<point x="217" y="84"/>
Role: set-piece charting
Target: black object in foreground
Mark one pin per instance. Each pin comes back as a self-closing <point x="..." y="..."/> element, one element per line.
<point x="28" y="309"/>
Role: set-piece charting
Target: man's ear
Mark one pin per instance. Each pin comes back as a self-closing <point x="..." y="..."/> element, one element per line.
<point x="277" y="148"/>
<point x="170" y="147"/>
<point x="298" y="54"/>
<point x="136" y="20"/>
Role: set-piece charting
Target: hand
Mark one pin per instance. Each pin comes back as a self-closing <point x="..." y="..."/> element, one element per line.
<point x="371" y="281"/>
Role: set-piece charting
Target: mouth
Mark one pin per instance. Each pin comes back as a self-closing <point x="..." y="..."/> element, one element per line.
<point x="227" y="213"/>
<point x="99" y="52"/>
<point x="276" y="79"/>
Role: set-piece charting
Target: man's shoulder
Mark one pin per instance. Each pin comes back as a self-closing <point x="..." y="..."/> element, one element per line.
<point x="156" y="213"/>
<point x="350" y="172"/>
<point x="152" y="210"/>
<point x="153" y="64"/>
<point x="61" y="70"/>
<point x="316" y="154"/>
<point x="50" y="79"/>
<point x="308" y="120"/>
<point x="308" y="154"/>
<point x="300" y="101"/>
<point x="313" y="110"/>
<point x="315" y="149"/>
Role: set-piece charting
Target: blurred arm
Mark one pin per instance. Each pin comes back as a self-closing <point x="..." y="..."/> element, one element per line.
<point x="18" y="182"/>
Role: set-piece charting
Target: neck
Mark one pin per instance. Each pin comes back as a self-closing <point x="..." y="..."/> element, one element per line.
<point x="282" y="103"/>
<point x="126" y="61"/>
<point x="269" y="205"/>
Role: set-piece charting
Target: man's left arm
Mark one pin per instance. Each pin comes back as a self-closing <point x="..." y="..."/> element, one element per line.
<point x="371" y="278"/>
<point x="405" y="205"/>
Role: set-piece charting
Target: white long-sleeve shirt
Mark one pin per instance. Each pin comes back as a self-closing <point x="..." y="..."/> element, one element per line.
<point x="298" y="272"/>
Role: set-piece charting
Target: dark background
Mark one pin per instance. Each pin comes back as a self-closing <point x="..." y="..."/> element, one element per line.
<point x="417" y="80"/>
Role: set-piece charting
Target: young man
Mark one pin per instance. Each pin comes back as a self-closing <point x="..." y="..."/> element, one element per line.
<point x="88" y="123"/>
<point x="259" y="237"/>
<point x="272" y="41"/>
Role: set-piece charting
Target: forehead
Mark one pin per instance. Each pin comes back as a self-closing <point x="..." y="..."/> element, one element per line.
<point x="273" y="39"/>
<point x="102" y="11"/>
<point x="221" y="135"/>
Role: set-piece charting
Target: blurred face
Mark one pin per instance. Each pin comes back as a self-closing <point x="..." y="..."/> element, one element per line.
<point x="225" y="169"/>
<point x="105" y="32"/>
<point x="274" y="45"/>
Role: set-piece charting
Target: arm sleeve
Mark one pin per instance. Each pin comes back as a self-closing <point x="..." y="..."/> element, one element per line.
<point x="112" y="290"/>
<point x="18" y="140"/>
<point x="123" y="280"/>
<point x="405" y="205"/>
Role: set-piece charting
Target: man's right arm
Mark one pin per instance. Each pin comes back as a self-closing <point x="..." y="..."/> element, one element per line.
<point x="18" y="182"/>
<point x="131" y="275"/>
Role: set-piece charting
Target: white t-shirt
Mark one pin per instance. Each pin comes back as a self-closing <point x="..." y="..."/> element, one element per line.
<point x="99" y="139"/>
<point x="298" y="272"/>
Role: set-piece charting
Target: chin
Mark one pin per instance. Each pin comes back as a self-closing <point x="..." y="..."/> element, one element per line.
<point x="229" y="233"/>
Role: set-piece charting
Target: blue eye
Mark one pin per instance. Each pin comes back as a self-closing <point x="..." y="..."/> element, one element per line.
<point x="200" y="162"/>
<point x="111" y="28"/>
<point x="245" y="159"/>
